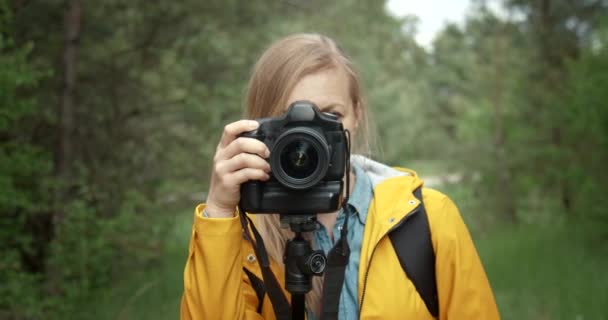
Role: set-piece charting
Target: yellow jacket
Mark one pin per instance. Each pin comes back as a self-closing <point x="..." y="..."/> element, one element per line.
<point x="216" y="287"/>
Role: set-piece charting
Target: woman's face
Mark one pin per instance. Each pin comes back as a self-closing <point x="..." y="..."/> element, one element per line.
<point x="328" y="90"/>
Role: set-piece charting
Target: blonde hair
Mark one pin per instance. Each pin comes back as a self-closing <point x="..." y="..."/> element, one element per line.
<point x="273" y="78"/>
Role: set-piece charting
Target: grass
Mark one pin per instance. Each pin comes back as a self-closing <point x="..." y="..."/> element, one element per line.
<point x="536" y="273"/>
<point x="546" y="273"/>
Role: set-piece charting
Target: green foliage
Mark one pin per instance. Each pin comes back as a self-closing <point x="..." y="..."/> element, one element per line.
<point x="22" y="181"/>
<point x="586" y="112"/>
<point x="501" y="92"/>
<point x="158" y="284"/>
<point x="92" y="253"/>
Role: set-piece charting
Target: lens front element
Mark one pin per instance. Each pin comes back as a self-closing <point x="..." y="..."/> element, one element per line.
<point x="300" y="158"/>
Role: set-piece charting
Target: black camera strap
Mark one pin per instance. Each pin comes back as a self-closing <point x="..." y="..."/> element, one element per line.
<point x="281" y="307"/>
<point x="338" y="256"/>
<point x="337" y="259"/>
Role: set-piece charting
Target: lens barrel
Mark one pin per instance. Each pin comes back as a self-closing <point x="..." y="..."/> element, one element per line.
<point x="300" y="158"/>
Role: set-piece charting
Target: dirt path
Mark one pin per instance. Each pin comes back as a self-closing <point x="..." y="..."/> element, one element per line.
<point x="437" y="181"/>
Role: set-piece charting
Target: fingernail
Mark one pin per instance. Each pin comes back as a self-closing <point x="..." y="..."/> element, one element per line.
<point x="254" y="124"/>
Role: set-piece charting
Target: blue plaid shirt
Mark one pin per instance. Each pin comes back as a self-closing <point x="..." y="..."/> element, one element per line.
<point x="359" y="203"/>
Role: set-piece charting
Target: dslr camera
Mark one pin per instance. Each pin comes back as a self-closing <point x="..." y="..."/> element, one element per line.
<point x="308" y="158"/>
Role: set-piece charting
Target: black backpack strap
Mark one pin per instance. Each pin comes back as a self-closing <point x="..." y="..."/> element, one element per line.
<point x="412" y="243"/>
<point x="258" y="286"/>
<point x="282" y="309"/>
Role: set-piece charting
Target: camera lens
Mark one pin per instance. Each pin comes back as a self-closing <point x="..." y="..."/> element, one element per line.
<point x="300" y="158"/>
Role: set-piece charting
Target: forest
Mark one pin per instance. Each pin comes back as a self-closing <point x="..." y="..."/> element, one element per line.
<point x="110" y="112"/>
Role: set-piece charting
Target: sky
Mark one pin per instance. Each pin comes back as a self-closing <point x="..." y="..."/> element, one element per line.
<point x="433" y="15"/>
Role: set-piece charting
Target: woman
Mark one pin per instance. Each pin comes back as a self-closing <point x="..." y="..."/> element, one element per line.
<point x="216" y="284"/>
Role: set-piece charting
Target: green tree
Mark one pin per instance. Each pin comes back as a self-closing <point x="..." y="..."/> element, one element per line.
<point x="557" y="32"/>
<point x="23" y="179"/>
<point x="585" y="110"/>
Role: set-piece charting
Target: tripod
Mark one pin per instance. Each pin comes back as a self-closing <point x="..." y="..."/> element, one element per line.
<point x="301" y="262"/>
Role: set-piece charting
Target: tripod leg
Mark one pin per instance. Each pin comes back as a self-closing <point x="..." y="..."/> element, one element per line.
<point x="298" y="310"/>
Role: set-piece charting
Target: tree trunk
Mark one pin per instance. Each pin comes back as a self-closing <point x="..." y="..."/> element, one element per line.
<point x="554" y="56"/>
<point x="65" y="152"/>
<point x="503" y="183"/>
<point x="64" y="156"/>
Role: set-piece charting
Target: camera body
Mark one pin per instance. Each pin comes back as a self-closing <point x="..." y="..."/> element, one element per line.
<point x="308" y="157"/>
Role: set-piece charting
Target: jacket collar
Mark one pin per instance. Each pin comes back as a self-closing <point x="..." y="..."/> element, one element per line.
<point x="376" y="171"/>
<point x="393" y="187"/>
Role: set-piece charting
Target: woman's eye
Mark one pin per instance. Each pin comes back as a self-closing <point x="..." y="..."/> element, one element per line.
<point x="335" y="113"/>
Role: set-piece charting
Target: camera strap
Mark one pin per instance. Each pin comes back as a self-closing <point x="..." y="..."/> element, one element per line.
<point x="337" y="259"/>
<point x="281" y="307"/>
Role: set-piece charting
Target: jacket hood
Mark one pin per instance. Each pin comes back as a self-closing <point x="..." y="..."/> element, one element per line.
<point x="379" y="172"/>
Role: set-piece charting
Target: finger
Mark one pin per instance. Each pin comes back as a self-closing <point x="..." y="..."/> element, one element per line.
<point x="232" y="130"/>
<point x="246" y="174"/>
<point x="248" y="145"/>
<point x="240" y="161"/>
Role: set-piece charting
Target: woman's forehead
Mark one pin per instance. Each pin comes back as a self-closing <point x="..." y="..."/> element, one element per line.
<point x="325" y="88"/>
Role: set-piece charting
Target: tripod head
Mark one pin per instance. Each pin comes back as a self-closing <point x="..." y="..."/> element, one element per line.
<point x="301" y="262"/>
<point x="299" y="222"/>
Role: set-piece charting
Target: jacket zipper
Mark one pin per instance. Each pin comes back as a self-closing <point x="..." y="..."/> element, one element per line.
<point x="371" y="258"/>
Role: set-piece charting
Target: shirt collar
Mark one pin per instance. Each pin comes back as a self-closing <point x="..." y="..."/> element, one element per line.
<point x="362" y="193"/>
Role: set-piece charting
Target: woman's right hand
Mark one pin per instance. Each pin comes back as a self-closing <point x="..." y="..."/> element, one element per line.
<point x="236" y="160"/>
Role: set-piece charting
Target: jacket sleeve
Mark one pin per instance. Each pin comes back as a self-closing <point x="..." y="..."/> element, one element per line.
<point x="464" y="291"/>
<point x="215" y="285"/>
